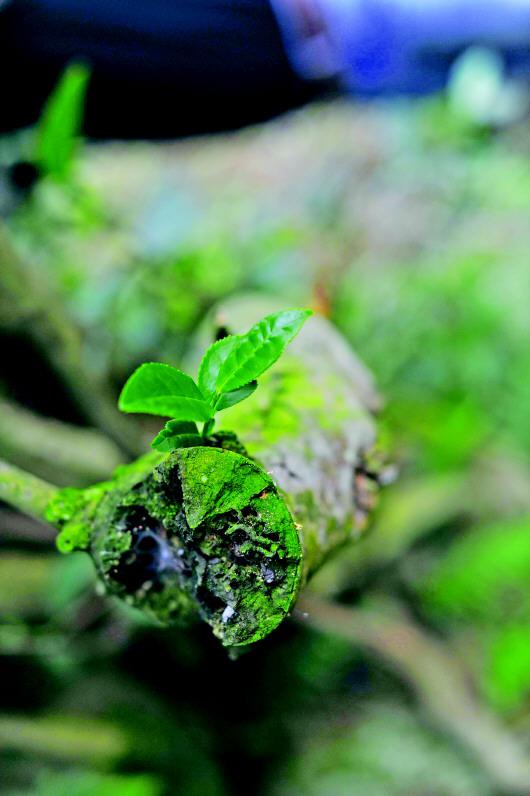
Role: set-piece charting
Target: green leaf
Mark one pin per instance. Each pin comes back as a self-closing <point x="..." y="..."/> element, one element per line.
<point x="229" y="399"/>
<point x="157" y="389"/>
<point x="171" y="442"/>
<point x="177" y="434"/>
<point x="60" y="124"/>
<point x="211" y="364"/>
<point x="80" y="782"/>
<point x="235" y="361"/>
<point x="260" y="348"/>
<point x="182" y="427"/>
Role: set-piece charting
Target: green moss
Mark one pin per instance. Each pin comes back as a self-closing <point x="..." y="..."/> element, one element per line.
<point x="275" y="404"/>
<point x="285" y="395"/>
<point x="205" y="479"/>
<point x="200" y="531"/>
<point x="73" y="510"/>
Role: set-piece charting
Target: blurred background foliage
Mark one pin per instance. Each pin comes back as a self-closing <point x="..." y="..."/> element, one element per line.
<point x="408" y="224"/>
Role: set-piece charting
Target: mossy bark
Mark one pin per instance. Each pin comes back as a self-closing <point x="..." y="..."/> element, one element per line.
<point x="310" y="425"/>
<point x="232" y="533"/>
<point x="202" y="530"/>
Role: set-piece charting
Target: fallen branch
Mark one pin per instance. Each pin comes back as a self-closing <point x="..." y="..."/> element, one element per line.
<point x="233" y="533"/>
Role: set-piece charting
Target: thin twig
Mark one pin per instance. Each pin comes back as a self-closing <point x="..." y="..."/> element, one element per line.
<point x="27" y="302"/>
<point x="24" y="491"/>
<point x="67" y="454"/>
<point x="16" y="527"/>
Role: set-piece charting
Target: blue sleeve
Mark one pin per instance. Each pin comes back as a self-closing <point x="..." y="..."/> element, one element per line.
<point x="409" y="47"/>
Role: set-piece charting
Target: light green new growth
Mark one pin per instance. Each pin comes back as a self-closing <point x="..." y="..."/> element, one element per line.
<point x="227" y="375"/>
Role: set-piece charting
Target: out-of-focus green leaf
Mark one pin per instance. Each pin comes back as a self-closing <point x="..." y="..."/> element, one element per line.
<point x="387" y="753"/>
<point x="447" y="340"/>
<point x="71" y="577"/>
<point x="480" y="588"/>
<point x="25" y="580"/>
<point x="60" y="125"/>
<point x="506" y="675"/>
<point x="484" y="576"/>
<point x="90" y="783"/>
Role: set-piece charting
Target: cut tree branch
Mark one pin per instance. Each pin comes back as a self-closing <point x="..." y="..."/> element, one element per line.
<point x="310" y="425"/>
<point x="232" y="533"/>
